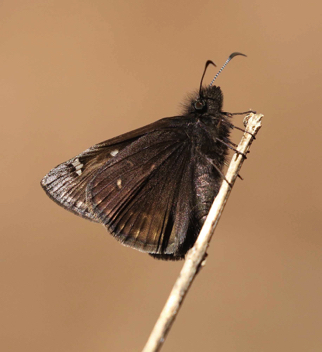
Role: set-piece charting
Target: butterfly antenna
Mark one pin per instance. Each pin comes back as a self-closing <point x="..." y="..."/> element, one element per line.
<point x="209" y="62"/>
<point x="225" y="64"/>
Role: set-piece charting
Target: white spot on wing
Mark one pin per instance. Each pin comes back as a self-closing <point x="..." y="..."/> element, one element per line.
<point x="78" y="166"/>
<point x="114" y="152"/>
<point x="119" y="183"/>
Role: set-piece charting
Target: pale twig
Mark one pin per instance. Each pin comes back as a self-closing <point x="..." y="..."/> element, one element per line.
<point x="195" y="258"/>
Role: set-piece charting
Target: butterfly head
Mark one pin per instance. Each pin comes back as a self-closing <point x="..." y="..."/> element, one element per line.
<point x="208" y="100"/>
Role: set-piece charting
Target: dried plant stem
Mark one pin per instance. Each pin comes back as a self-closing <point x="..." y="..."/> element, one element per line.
<point x="195" y="258"/>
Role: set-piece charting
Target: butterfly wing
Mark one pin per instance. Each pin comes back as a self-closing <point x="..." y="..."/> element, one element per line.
<point x="149" y="187"/>
<point x="143" y="195"/>
<point x="66" y="183"/>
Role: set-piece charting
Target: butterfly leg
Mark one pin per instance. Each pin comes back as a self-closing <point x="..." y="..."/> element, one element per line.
<point x="238" y="175"/>
<point x="235" y="127"/>
<point x="227" y="140"/>
<point x="231" y="114"/>
<point x="234" y="149"/>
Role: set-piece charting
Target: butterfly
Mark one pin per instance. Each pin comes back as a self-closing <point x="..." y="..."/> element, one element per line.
<point x="152" y="187"/>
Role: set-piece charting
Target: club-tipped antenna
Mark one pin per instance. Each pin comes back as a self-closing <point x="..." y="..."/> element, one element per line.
<point x="209" y="62"/>
<point x="225" y="64"/>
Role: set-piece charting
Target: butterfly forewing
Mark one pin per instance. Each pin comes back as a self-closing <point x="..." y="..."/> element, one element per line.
<point x="135" y="195"/>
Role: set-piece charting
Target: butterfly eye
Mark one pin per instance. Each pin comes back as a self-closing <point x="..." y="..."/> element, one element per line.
<point x="199" y="105"/>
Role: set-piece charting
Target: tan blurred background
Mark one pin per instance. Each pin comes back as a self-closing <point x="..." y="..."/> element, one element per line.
<point x="74" y="73"/>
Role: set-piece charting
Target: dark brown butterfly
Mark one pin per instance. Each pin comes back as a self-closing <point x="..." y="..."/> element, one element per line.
<point x="152" y="187"/>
